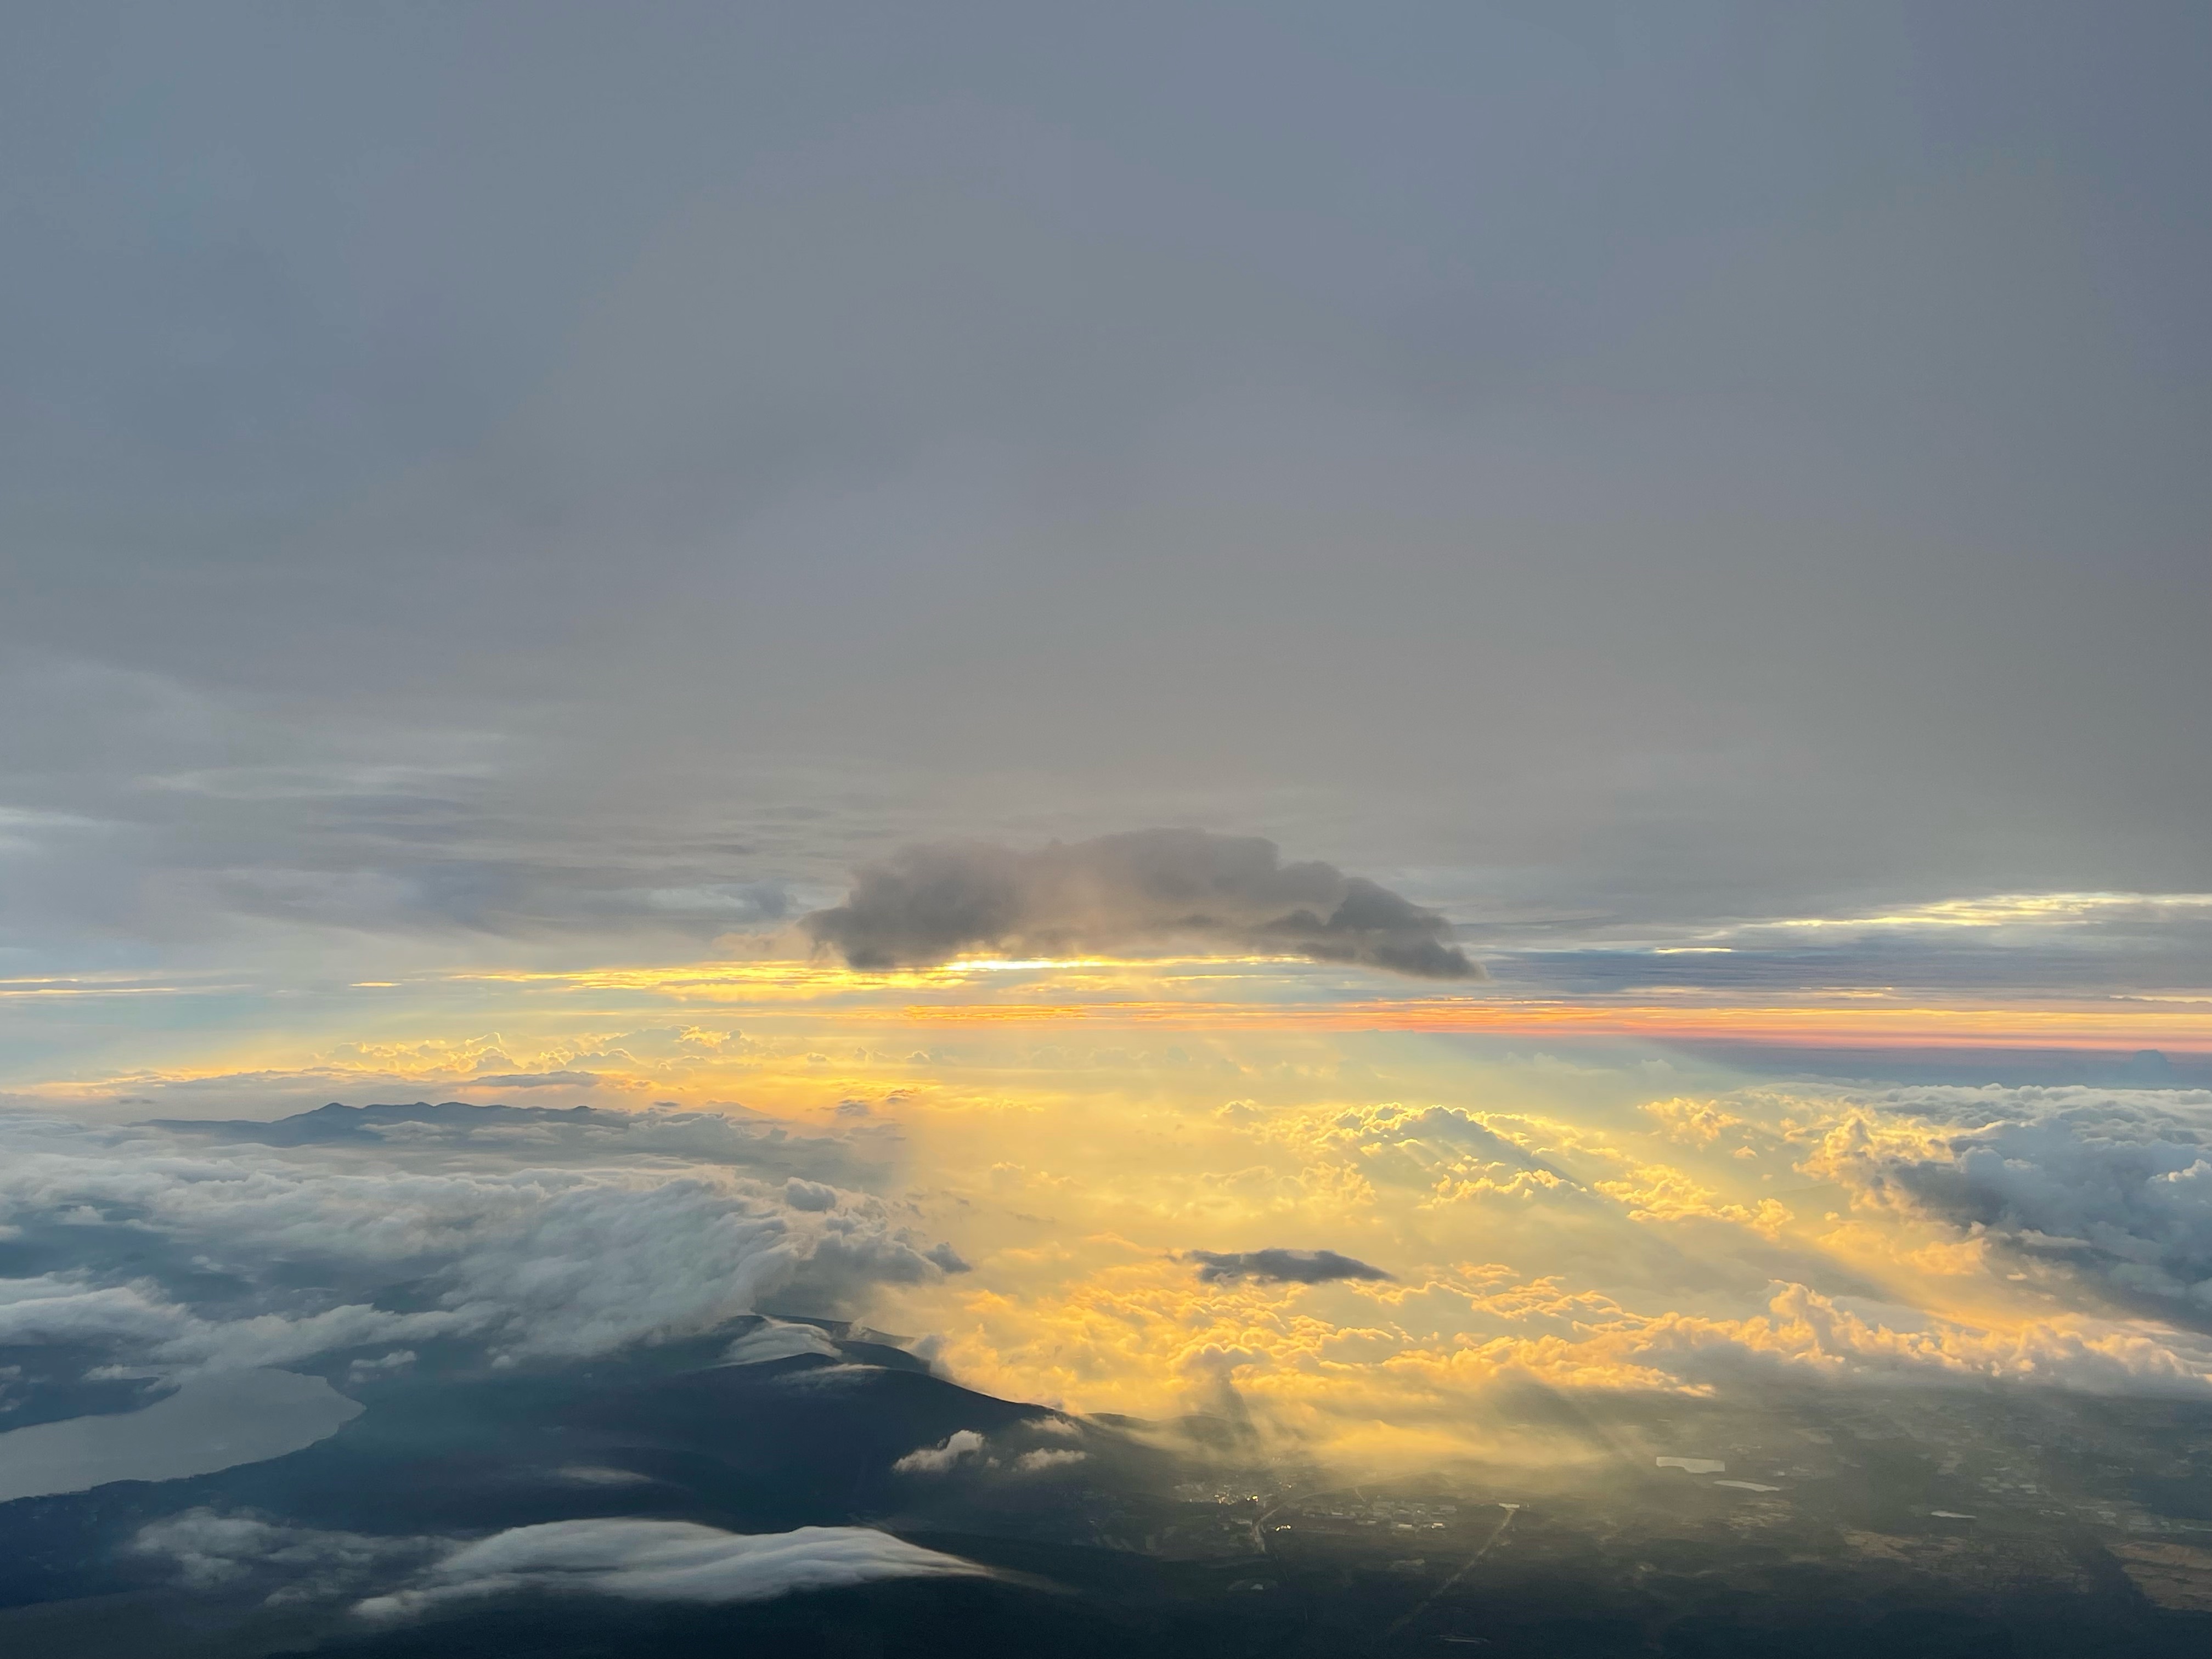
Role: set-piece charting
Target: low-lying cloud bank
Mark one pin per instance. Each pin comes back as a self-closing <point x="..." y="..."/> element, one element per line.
<point x="665" y="1561"/>
<point x="1143" y="891"/>
<point x="150" y="1252"/>
<point x="397" y="1577"/>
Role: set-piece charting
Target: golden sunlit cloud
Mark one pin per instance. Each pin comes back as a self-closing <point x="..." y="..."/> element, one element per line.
<point x="1086" y="1132"/>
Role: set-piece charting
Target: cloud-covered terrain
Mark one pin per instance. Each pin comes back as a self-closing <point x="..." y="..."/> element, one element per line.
<point x="515" y="1233"/>
<point x="609" y="1332"/>
<point x="189" y="1305"/>
<point x="1143" y="891"/>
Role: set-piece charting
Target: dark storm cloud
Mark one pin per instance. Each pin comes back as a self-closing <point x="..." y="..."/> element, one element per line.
<point x="1143" y="889"/>
<point x="1286" y="1267"/>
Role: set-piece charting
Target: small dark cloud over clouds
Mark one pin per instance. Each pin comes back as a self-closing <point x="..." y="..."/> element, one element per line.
<point x="1290" y="1266"/>
<point x="1143" y="889"/>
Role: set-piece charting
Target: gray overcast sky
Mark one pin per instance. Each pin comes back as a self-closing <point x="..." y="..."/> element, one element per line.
<point x="511" y="464"/>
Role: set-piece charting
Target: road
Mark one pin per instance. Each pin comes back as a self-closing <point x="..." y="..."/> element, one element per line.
<point x="1429" y="1600"/>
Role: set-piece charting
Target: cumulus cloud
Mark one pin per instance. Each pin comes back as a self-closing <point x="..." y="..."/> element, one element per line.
<point x="1288" y="1267"/>
<point x="1448" y="1151"/>
<point x="944" y="1455"/>
<point x="2113" y="1185"/>
<point x="1692" y="1122"/>
<point x="665" y="1561"/>
<point x="808" y="1194"/>
<point x="1437" y="1353"/>
<point x="1147" y="890"/>
<point x="1804" y="1332"/>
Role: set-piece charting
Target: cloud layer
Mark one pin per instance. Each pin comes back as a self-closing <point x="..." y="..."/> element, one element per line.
<point x="1630" y="1241"/>
<point x="676" y="1561"/>
<point x="564" y="1240"/>
<point x="2114" y="1186"/>
<point x="1142" y="891"/>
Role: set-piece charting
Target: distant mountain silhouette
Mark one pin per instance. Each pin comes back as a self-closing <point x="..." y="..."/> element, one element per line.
<point x="338" y="1123"/>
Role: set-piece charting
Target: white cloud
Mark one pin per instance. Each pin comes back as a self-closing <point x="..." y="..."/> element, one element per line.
<point x="1035" y="1462"/>
<point x="1806" y="1333"/>
<point x="774" y="1339"/>
<point x="941" y="1457"/>
<point x="531" y="1259"/>
<point x="399" y="1359"/>
<point x="2113" y="1184"/>
<point x="665" y="1561"/>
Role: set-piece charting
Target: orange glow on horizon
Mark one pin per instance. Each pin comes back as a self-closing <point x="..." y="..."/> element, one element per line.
<point x="1107" y="992"/>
